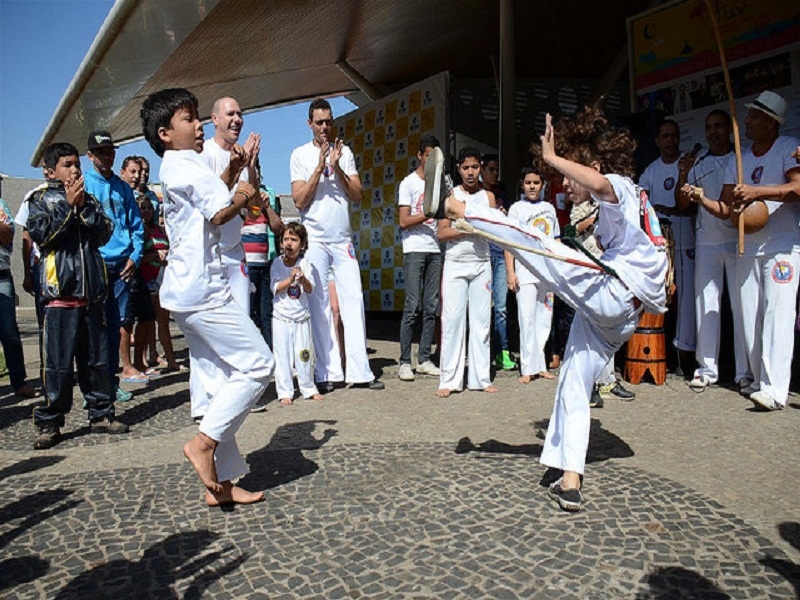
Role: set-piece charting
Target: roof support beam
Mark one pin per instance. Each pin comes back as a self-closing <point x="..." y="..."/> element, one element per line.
<point x="509" y="160"/>
<point x="369" y="90"/>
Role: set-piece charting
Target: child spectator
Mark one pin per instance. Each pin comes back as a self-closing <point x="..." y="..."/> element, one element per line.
<point x="69" y="225"/>
<point x="534" y="298"/>
<point x="466" y="286"/>
<point x="151" y="270"/>
<point x="291" y="280"/>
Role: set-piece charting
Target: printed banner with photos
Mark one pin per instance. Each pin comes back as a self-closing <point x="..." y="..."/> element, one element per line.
<point x="384" y="137"/>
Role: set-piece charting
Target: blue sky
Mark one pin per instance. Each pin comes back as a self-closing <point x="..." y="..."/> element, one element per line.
<point x="42" y="43"/>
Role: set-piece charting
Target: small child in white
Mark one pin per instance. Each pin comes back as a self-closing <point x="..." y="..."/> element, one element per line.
<point x="534" y="297"/>
<point x="291" y="281"/>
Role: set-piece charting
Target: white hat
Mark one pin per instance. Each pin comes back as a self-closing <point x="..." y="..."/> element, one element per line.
<point x="771" y="104"/>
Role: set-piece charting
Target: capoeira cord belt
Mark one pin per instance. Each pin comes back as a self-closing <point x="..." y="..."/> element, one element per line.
<point x="464" y="226"/>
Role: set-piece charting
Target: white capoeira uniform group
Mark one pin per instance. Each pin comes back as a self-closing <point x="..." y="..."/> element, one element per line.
<point x="204" y="377"/>
<point x="330" y="248"/>
<point x="607" y="307"/>
<point x="195" y="290"/>
<point x="659" y="180"/>
<point x="466" y="290"/>
<point x="534" y="297"/>
<point x="715" y="261"/>
<point x="767" y="273"/>
<point x="291" y="332"/>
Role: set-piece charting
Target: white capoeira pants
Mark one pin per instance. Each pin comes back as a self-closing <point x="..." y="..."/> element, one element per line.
<point x="226" y="338"/>
<point x="205" y="377"/>
<point x="341" y="257"/>
<point x="685" y="330"/>
<point x="605" y="317"/>
<point x="768" y="292"/>
<point x="535" y="314"/>
<point x="714" y="264"/>
<point x="466" y="294"/>
<point x="291" y="344"/>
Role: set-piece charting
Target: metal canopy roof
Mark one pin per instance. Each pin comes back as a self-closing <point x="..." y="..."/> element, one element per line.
<point x="269" y="53"/>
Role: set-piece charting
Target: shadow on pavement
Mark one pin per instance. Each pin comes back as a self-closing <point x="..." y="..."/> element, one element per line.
<point x="790" y="571"/>
<point x="668" y="583"/>
<point x="21" y="569"/>
<point x="34" y="509"/>
<point x="282" y="460"/>
<point x="154" y="405"/>
<point x="178" y="557"/>
<point x="29" y="464"/>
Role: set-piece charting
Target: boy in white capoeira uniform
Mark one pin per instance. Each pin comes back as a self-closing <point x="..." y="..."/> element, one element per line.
<point x="607" y="304"/>
<point x="534" y="298"/>
<point x="767" y="272"/>
<point x="466" y="290"/>
<point x="196" y="292"/>
<point x="715" y="257"/>
<point x="291" y="280"/>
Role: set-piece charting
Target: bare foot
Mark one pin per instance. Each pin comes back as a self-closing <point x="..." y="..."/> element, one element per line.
<point x="287" y="401"/>
<point x="200" y="452"/>
<point x="525" y="379"/>
<point x="490" y="389"/>
<point x="232" y="494"/>
<point x="546" y="375"/>
<point x="555" y="361"/>
<point x="443" y="393"/>
<point x="317" y="397"/>
<point x="133" y="373"/>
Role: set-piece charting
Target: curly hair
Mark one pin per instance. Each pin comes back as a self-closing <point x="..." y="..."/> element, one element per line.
<point x="586" y="138"/>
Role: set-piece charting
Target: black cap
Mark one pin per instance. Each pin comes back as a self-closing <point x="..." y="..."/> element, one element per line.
<point x="100" y="139"/>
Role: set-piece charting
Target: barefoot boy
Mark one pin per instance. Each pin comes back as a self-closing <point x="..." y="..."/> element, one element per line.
<point x="596" y="162"/>
<point x="195" y="291"/>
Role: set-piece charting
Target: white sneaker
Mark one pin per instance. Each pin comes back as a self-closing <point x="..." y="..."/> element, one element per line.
<point x="763" y="401"/>
<point x="405" y="373"/>
<point x="428" y="368"/>
<point x="699" y="383"/>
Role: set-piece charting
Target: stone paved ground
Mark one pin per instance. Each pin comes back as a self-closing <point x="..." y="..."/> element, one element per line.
<point x="398" y="494"/>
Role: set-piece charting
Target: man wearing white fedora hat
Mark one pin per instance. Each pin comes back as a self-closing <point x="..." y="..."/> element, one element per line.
<point x="767" y="274"/>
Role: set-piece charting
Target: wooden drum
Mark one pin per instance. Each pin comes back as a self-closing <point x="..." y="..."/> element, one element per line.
<point x="647" y="350"/>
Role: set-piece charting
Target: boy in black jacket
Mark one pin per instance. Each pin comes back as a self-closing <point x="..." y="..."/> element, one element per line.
<point x="69" y="225"/>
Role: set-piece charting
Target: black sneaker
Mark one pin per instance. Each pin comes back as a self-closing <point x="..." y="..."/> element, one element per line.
<point x="325" y="387"/>
<point x="569" y="500"/>
<point x="369" y="385"/>
<point x="596" y="401"/>
<point x="259" y="406"/>
<point x="615" y="391"/>
<point x="108" y="425"/>
<point x="49" y="436"/>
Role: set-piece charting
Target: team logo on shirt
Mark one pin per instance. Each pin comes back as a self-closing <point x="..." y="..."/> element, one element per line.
<point x="243" y="267"/>
<point x="293" y="292"/>
<point x="548" y="301"/>
<point x="755" y="176"/>
<point x="669" y="183"/>
<point x="351" y="251"/>
<point x="305" y="355"/>
<point x="782" y="272"/>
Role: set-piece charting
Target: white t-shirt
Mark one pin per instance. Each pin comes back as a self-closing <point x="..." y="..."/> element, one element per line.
<point x="292" y="303"/>
<point x="638" y="263"/>
<point x="327" y="216"/>
<point x="781" y="233"/>
<point x="708" y="172"/>
<point x="659" y="180"/>
<point x="469" y="248"/>
<point x="230" y="242"/>
<point x="22" y="220"/>
<point x="422" y="237"/>
<point x="539" y="217"/>
<point x="193" y="194"/>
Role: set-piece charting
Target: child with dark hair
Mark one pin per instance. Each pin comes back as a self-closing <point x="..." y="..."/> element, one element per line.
<point x="194" y="289"/>
<point x="292" y="280"/>
<point x="534" y="297"/>
<point x="466" y="289"/>
<point x="596" y="162"/>
<point x="69" y="225"/>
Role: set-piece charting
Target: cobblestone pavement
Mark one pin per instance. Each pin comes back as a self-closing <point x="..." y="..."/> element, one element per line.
<point x="398" y="494"/>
